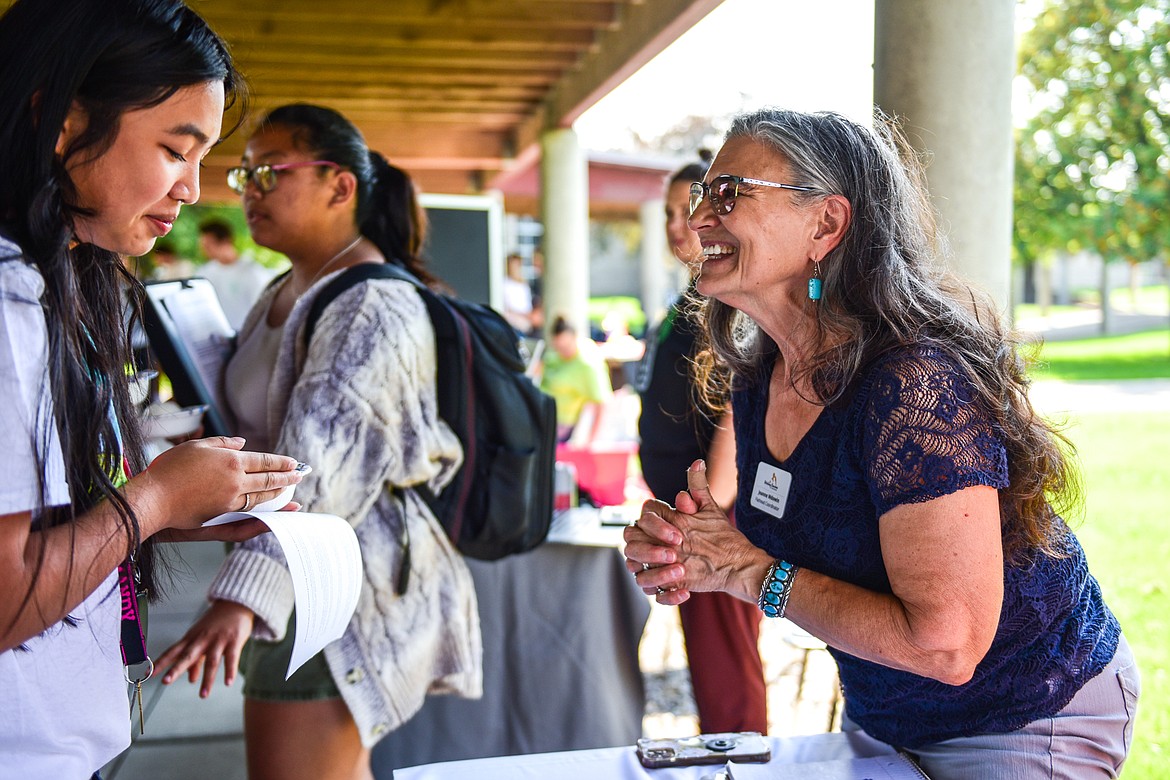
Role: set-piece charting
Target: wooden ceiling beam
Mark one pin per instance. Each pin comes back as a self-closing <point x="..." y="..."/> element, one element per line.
<point x="337" y="74"/>
<point x="437" y="60"/>
<point x="346" y="39"/>
<point x="268" y="15"/>
<point x="311" y="91"/>
<point x="449" y="89"/>
<point x="472" y="111"/>
<point x="413" y="138"/>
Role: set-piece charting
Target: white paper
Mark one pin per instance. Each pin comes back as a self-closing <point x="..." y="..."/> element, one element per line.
<point x="326" y="567"/>
<point x="202" y="325"/>
<point x="582" y="526"/>
<point x="892" y="767"/>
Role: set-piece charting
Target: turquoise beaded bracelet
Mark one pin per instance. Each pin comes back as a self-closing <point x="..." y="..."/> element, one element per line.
<point x="776" y="588"/>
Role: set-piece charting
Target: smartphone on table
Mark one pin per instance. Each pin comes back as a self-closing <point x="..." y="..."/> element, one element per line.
<point x="739" y="746"/>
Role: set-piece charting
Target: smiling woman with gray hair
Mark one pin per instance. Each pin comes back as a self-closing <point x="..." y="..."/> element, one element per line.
<point x="894" y="480"/>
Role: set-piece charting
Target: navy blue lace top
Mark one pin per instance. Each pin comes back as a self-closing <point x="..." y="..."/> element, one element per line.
<point x="907" y="431"/>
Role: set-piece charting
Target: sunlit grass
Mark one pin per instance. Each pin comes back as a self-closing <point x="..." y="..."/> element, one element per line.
<point x="1132" y="356"/>
<point x="1126" y="537"/>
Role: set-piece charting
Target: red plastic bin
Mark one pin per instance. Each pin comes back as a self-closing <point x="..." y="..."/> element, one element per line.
<point x="601" y="468"/>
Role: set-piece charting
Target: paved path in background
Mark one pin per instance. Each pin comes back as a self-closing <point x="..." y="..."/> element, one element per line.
<point x="1086" y="324"/>
<point x="1051" y="396"/>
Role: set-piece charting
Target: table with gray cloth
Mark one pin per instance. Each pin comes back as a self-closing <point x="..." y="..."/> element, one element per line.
<point x="561" y="627"/>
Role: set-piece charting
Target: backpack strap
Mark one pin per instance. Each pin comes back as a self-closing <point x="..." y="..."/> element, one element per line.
<point x="350" y="277"/>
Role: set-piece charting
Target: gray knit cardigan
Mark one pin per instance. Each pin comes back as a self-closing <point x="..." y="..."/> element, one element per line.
<point x="359" y="407"/>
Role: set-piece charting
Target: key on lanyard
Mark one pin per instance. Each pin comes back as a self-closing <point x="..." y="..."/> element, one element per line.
<point x="137" y="683"/>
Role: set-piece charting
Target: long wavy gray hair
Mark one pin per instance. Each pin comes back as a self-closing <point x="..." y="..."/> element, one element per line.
<point x="885" y="287"/>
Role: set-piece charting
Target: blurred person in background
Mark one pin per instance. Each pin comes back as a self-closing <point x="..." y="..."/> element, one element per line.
<point x="517" y="296"/>
<point x="166" y="265"/>
<point x="576" y="376"/>
<point x="676" y="428"/>
<point x="238" y="279"/>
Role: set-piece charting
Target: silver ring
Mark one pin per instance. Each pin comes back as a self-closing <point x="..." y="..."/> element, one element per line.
<point x="247" y="503"/>
<point x="645" y="567"/>
<point x="660" y="591"/>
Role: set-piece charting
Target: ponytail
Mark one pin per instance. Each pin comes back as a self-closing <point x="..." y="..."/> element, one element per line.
<point x="393" y="218"/>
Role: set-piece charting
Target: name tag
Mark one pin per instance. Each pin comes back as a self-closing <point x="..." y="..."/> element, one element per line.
<point x="770" y="493"/>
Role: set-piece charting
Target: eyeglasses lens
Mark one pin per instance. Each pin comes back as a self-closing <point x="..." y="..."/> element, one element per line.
<point x="237" y="179"/>
<point x="698" y="190"/>
<point x="723" y="192"/>
<point x="264" y="177"/>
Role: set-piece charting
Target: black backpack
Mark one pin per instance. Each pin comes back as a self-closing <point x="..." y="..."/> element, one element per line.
<point x="500" y="502"/>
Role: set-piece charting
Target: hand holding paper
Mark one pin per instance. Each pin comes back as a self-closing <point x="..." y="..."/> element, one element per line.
<point x="326" y="567"/>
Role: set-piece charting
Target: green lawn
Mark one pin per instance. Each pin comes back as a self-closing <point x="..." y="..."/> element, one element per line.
<point x="1126" y="537"/>
<point x="1124" y="528"/>
<point x="1133" y="356"/>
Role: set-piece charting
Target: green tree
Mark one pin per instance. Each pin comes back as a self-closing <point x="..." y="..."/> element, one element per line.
<point x="1093" y="156"/>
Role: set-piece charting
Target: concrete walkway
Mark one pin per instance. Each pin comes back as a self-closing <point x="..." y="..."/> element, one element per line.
<point x="1053" y="397"/>
<point x="1086" y="324"/>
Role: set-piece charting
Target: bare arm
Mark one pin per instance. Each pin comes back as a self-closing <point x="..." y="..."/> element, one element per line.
<point x="944" y="559"/>
<point x="183" y="487"/>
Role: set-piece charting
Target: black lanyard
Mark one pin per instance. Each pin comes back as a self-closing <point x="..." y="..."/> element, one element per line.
<point x="133" y="635"/>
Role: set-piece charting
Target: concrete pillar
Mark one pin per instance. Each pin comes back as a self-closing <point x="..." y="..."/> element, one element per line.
<point x="564" y="208"/>
<point x="945" y="70"/>
<point x="654" y="271"/>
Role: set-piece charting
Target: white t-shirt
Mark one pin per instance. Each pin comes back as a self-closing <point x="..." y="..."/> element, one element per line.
<point x="237" y="286"/>
<point x="517" y="303"/>
<point x="64" y="706"/>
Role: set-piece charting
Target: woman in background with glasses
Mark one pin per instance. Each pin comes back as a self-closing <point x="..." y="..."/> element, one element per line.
<point x="357" y="403"/>
<point x="675" y="427"/>
<point x="107" y="108"/>
<point x="894" y="480"/>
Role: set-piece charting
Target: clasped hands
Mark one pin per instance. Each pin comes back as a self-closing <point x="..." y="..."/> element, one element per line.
<point x="692" y="546"/>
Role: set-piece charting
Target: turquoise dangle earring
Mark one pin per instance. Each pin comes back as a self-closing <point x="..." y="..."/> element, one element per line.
<point x="814" y="282"/>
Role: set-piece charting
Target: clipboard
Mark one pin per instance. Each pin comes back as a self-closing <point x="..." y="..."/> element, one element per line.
<point x="190" y="335"/>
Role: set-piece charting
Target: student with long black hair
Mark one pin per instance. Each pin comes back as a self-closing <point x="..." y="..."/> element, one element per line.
<point x="107" y="108"/>
<point x="358" y="402"/>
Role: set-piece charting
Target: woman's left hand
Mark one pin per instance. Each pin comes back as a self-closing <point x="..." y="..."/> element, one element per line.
<point x="216" y="638"/>
<point x="692" y="547"/>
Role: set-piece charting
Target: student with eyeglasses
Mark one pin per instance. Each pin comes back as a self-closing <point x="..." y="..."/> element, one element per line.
<point x="358" y="403"/>
<point x="107" y="108"/>
<point x="899" y="496"/>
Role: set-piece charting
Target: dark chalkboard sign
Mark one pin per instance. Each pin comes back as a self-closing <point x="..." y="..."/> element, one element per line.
<point x="464" y="245"/>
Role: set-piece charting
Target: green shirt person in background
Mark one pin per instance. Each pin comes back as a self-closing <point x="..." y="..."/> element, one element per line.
<point x="576" y="376"/>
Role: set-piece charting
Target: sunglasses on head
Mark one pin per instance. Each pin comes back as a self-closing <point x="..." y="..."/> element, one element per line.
<point x="264" y="176"/>
<point x="723" y="190"/>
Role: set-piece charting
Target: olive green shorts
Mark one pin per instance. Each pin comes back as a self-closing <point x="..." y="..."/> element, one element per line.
<point x="264" y="664"/>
